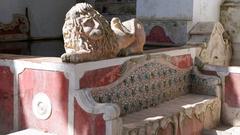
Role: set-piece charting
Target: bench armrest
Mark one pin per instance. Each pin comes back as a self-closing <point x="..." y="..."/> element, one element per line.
<point x="205" y="84"/>
<point x="110" y="111"/>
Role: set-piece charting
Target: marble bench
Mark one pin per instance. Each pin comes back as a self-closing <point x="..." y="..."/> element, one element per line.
<point x="153" y="96"/>
<point x="144" y="94"/>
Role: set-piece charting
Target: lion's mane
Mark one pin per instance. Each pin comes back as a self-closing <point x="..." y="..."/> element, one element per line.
<point x="76" y="41"/>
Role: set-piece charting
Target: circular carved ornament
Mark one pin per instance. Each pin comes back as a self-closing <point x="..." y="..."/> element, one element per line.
<point x="41" y="106"/>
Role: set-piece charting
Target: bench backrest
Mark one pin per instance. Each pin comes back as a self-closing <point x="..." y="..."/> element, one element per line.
<point x="145" y="82"/>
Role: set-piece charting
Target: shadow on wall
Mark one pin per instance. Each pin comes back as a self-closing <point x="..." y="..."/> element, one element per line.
<point x="46" y="48"/>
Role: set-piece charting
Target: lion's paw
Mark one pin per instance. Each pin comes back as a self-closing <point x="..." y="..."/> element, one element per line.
<point x="65" y="57"/>
<point x="71" y="58"/>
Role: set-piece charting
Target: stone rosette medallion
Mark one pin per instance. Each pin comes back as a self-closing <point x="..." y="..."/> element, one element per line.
<point x="41" y="106"/>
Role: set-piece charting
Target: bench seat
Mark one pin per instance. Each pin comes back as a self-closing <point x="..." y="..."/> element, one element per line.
<point x="185" y="111"/>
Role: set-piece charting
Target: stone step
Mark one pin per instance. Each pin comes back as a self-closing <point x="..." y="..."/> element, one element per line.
<point x="188" y="114"/>
<point x="222" y="130"/>
<point x="30" y="132"/>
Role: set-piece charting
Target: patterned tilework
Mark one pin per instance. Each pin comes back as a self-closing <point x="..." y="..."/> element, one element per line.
<point x="145" y="86"/>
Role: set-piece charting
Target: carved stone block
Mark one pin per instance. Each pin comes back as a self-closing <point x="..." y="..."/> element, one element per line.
<point x="16" y="30"/>
<point x="216" y="48"/>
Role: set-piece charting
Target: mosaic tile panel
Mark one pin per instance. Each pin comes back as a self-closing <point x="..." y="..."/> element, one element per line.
<point x="145" y="86"/>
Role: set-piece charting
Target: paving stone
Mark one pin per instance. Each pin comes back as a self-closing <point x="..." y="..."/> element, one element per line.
<point x="30" y="132"/>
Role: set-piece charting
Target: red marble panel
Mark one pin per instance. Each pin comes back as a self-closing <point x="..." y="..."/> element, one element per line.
<point x="6" y="100"/>
<point x="55" y="86"/>
<point x="100" y="77"/>
<point x="87" y="124"/>
<point x="232" y="90"/>
<point x="182" y="61"/>
<point x="158" y="35"/>
<point x="100" y="126"/>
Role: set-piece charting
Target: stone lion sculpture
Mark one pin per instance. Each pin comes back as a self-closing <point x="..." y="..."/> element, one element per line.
<point x="88" y="36"/>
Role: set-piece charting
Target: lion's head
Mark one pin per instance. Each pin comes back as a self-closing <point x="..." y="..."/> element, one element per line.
<point x="86" y="31"/>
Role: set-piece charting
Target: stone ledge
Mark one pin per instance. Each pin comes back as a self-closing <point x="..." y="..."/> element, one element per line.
<point x="38" y="59"/>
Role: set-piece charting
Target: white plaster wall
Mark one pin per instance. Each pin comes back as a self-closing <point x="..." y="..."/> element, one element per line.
<point x="195" y="10"/>
<point x="47" y="17"/>
<point x="191" y="10"/>
<point x="206" y="10"/>
<point x="165" y="9"/>
<point x="10" y="7"/>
